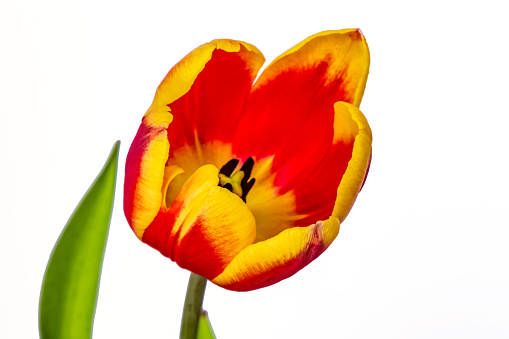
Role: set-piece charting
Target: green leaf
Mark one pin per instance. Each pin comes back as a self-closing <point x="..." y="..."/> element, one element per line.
<point x="205" y="328"/>
<point x="71" y="282"/>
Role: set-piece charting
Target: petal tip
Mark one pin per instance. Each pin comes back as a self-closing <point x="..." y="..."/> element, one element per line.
<point x="359" y="35"/>
<point x="328" y="230"/>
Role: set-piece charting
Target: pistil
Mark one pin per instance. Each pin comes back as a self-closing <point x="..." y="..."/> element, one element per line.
<point x="237" y="182"/>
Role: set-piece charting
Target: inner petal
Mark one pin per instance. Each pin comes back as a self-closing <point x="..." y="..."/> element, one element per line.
<point x="274" y="210"/>
<point x="215" y="100"/>
<point x="190" y="158"/>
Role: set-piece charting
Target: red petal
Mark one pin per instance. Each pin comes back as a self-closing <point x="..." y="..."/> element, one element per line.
<point x="144" y="176"/>
<point x="290" y="114"/>
<point x="207" y="90"/>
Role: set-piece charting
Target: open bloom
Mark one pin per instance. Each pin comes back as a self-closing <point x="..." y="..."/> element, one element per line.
<point x="246" y="184"/>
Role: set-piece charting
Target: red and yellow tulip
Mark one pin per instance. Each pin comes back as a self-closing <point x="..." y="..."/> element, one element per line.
<point x="246" y="184"/>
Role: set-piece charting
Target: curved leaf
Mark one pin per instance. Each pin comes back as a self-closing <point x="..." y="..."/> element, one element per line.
<point x="71" y="281"/>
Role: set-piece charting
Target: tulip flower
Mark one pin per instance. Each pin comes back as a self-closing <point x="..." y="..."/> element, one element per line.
<point x="245" y="184"/>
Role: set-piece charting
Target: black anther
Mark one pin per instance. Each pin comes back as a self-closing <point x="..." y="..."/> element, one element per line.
<point x="246" y="168"/>
<point x="229" y="167"/>
<point x="247" y="188"/>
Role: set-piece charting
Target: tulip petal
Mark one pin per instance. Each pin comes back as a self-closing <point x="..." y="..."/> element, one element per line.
<point x="274" y="212"/>
<point x="291" y="104"/>
<point x="344" y="55"/>
<point x="198" y="101"/>
<point x="144" y="175"/>
<point x="290" y="116"/>
<point x="205" y="227"/>
<point x="339" y="175"/>
<point x="268" y="262"/>
<point x="356" y="173"/>
<point x="207" y="90"/>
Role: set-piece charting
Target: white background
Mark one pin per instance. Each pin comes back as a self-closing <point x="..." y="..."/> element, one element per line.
<point x="424" y="252"/>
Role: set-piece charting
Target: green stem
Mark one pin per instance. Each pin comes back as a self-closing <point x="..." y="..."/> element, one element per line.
<point x="192" y="306"/>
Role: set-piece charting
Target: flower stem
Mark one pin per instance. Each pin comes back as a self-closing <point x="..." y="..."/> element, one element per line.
<point x="192" y="306"/>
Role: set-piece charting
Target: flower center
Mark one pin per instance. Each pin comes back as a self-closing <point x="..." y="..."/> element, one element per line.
<point x="237" y="182"/>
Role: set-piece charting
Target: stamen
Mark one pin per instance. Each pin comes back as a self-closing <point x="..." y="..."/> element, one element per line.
<point x="247" y="188"/>
<point x="247" y="168"/>
<point x="229" y="167"/>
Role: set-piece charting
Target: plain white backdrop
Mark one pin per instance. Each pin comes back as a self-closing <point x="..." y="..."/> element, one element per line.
<point x="424" y="252"/>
